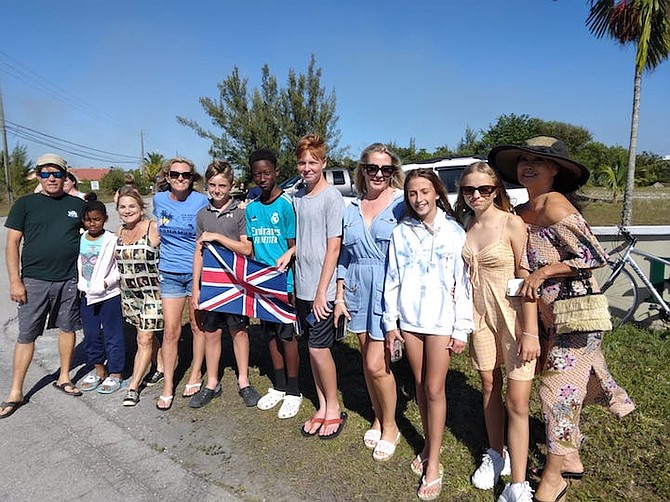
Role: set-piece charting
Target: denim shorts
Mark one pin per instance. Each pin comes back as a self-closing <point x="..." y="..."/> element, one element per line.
<point x="175" y="285"/>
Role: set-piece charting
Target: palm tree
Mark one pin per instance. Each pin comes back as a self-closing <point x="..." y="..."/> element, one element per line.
<point x="613" y="175"/>
<point x="152" y="166"/>
<point x="646" y="23"/>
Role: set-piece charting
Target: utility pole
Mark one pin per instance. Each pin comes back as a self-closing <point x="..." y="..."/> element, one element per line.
<point x="5" y="153"/>
<point x="142" y="152"/>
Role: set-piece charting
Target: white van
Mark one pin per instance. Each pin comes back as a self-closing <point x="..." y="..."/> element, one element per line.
<point x="449" y="169"/>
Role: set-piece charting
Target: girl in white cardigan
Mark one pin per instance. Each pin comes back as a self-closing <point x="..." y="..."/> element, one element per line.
<point x="427" y="297"/>
<point x="100" y="306"/>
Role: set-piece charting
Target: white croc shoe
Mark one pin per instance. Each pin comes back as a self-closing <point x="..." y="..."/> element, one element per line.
<point x="271" y="399"/>
<point x="290" y="407"/>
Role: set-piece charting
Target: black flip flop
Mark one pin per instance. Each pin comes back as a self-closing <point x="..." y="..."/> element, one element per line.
<point x="63" y="387"/>
<point x="307" y="434"/>
<point x="342" y="420"/>
<point x="13" y="406"/>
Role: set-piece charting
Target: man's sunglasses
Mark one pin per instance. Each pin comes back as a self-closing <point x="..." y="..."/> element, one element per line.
<point x="373" y="169"/>
<point x="484" y="190"/>
<point x="176" y="174"/>
<point x="56" y="174"/>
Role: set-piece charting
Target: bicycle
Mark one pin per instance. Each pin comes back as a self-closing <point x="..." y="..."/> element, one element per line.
<point x="618" y="283"/>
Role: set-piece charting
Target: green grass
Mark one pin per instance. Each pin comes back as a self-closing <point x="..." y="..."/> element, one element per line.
<point x="651" y="206"/>
<point x="627" y="459"/>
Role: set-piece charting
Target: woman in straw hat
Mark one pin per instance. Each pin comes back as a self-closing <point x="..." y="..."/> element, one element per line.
<point x="560" y="249"/>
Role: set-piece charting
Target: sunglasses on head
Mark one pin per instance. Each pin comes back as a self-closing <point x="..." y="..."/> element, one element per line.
<point x="176" y="174"/>
<point x="373" y="169"/>
<point x="484" y="190"/>
<point x="45" y="174"/>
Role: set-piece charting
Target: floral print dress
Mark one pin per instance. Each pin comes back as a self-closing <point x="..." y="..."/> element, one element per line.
<point x="574" y="371"/>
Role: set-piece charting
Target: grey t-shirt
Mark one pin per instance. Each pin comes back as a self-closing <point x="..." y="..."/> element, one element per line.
<point x="318" y="218"/>
<point x="230" y="222"/>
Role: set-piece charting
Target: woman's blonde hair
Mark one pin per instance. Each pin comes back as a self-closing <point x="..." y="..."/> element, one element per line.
<point x="132" y="192"/>
<point x="168" y="164"/>
<point x="397" y="178"/>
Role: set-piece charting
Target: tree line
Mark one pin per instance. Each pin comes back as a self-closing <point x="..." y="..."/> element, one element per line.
<point x="274" y="116"/>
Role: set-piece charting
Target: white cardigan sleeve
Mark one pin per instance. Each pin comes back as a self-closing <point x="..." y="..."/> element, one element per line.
<point x="105" y="270"/>
<point x="463" y="322"/>
<point x="391" y="288"/>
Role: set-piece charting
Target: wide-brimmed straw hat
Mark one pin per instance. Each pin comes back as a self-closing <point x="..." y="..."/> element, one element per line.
<point x="570" y="176"/>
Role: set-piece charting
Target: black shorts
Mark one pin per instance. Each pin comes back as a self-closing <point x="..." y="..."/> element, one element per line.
<point x="213" y="321"/>
<point x="319" y="335"/>
<point x="278" y="330"/>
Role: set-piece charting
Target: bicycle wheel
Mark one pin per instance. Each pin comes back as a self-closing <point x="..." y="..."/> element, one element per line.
<point x="621" y="291"/>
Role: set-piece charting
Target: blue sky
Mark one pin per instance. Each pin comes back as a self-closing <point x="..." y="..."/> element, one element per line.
<point x="97" y="73"/>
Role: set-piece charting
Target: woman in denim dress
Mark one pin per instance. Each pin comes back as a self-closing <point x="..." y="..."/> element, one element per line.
<point x="368" y="223"/>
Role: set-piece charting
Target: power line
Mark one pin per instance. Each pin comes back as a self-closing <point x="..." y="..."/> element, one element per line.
<point x="70" y="147"/>
<point x="21" y="72"/>
<point x="70" y="142"/>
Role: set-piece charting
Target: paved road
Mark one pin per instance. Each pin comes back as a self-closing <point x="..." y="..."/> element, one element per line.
<point x="63" y="448"/>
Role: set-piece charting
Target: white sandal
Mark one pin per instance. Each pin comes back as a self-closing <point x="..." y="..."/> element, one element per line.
<point x="385" y="449"/>
<point x="290" y="407"/>
<point x="425" y="486"/>
<point x="417" y="465"/>
<point x="371" y="438"/>
<point x="168" y="400"/>
<point x="271" y="399"/>
<point x="189" y="387"/>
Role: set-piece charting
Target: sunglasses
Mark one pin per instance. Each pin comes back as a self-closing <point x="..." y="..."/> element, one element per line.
<point x="45" y="174"/>
<point x="176" y="174"/>
<point x="373" y="169"/>
<point x="484" y="190"/>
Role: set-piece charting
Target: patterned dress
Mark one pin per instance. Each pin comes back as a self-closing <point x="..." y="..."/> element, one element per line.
<point x="574" y="372"/>
<point x="140" y="289"/>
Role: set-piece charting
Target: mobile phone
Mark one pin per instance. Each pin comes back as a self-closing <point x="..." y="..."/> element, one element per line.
<point x="396" y="353"/>
<point x="311" y="319"/>
<point x="341" y="329"/>
<point x="514" y="287"/>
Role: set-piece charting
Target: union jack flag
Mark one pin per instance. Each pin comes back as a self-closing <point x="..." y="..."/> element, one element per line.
<point x="239" y="285"/>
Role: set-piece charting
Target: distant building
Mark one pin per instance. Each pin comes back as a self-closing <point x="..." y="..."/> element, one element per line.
<point x="92" y="174"/>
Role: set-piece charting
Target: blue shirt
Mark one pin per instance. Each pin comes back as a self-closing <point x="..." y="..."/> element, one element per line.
<point x="269" y="226"/>
<point x="176" y="226"/>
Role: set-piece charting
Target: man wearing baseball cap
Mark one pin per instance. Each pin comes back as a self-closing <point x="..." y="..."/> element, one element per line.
<point x="44" y="280"/>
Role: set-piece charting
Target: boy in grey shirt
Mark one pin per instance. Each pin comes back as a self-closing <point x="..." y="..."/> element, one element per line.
<point x="319" y="209"/>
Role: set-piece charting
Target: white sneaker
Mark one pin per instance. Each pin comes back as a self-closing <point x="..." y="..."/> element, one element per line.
<point x="507" y="469"/>
<point x="516" y="492"/>
<point x="493" y="465"/>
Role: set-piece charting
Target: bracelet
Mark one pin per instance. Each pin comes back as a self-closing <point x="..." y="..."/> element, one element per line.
<point x="530" y="335"/>
<point x="338" y="301"/>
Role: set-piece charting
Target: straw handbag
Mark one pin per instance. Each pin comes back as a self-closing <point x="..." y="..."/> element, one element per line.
<point x="574" y="313"/>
